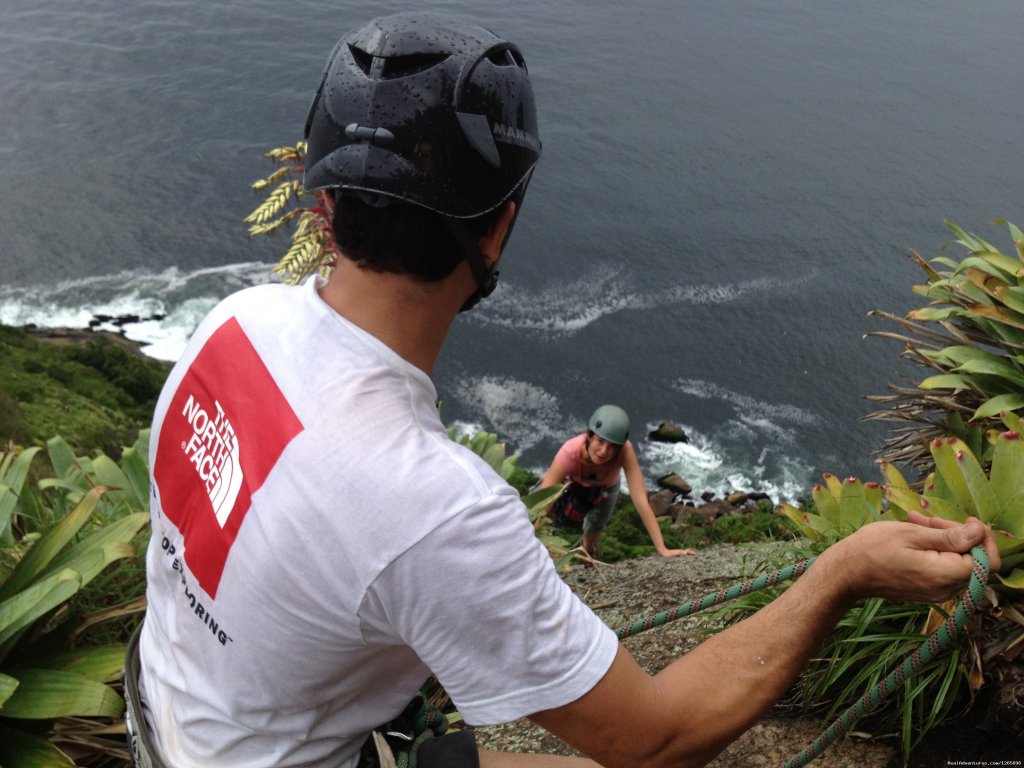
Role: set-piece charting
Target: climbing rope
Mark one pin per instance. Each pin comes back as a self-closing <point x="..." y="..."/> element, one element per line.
<point x="715" y="598"/>
<point x="430" y="722"/>
<point x="419" y="721"/>
<point x="933" y="646"/>
<point x="938" y="640"/>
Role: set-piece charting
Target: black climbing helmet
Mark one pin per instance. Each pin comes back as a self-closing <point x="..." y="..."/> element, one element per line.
<point x="610" y="423"/>
<point x="424" y="109"/>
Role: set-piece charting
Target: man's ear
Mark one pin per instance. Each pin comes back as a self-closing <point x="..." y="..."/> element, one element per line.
<point x="490" y="244"/>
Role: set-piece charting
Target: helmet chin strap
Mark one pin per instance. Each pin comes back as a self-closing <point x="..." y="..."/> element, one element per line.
<point x="486" y="276"/>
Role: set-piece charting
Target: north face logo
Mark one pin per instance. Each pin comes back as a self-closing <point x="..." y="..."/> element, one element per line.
<point x="213" y="449"/>
<point x="225" y="429"/>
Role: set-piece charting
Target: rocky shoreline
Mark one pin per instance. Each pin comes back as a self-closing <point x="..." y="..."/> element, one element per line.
<point x="82" y="336"/>
<point x="674" y="495"/>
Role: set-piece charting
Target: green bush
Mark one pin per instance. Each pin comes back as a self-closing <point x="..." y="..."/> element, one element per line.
<point x="98" y="395"/>
<point x="522" y="480"/>
<point x="137" y="378"/>
<point x="12" y="422"/>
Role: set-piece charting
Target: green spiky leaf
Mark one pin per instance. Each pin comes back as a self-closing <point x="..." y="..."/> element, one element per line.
<point x="997" y="405"/>
<point x="965" y="478"/>
<point x="21" y="749"/>
<point x="43" y="694"/>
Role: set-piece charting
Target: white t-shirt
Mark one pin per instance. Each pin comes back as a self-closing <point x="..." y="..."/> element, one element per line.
<point x="320" y="546"/>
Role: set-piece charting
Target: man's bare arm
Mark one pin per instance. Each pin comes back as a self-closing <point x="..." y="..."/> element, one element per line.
<point x="695" y="707"/>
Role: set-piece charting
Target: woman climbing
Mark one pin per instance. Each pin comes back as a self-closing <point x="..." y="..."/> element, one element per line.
<point x="590" y="465"/>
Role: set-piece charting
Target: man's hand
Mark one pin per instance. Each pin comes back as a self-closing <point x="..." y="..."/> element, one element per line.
<point x="926" y="559"/>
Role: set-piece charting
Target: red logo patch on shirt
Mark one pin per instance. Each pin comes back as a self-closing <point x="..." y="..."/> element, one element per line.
<point x="226" y="427"/>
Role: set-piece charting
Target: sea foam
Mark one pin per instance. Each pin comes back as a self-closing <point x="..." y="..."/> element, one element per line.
<point x="160" y="310"/>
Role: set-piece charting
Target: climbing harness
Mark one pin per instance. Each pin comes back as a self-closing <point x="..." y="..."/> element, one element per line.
<point x="575" y="502"/>
<point x="406" y="734"/>
<point x="932" y="647"/>
<point x="140" y="743"/>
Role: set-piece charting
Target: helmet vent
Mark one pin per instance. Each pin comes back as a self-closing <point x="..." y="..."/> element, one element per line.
<point x="506" y="57"/>
<point x="362" y="59"/>
<point x="403" y="66"/>
<point x="394" y="67"/>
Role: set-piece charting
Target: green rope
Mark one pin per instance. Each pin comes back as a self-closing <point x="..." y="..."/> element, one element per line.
<point x="939" y="640"/>
<point x="407" y="733"/>
<point x="715" y="598"/>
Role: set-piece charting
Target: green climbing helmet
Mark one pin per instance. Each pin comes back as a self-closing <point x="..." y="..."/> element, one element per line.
<point x="610" y="423"/>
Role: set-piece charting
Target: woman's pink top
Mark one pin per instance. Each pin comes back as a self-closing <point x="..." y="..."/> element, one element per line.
<point x="570" y="458"/>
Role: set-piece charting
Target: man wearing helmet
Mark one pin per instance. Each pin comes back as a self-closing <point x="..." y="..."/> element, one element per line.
<point x="590" y="466"/>
<point x="319" y="546"/>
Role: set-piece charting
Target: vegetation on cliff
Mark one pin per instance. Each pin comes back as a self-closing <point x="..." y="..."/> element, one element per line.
<point x="96" y="393"/>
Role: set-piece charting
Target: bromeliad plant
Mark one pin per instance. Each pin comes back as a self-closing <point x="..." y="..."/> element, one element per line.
<point x="312" y="248"/>
<point x="839" y="509"/>
<point x="961" y="433"/>
<point x="874" y="636"/>
<point x="971" y="339"/>
<point x="959" y="488"/>
<point x="54" y="543"/>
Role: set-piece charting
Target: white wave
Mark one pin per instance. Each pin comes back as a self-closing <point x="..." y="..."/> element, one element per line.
<point x="720" y="464"/>
<point x="158" y="309"/>
<point x="166" y="339"/>
<point x="523" y="414"/>
<point x="755" y="447"/>
<point x="568" y="307"/>
<point x="561" y="308"/>
<point x="757" y="413"/>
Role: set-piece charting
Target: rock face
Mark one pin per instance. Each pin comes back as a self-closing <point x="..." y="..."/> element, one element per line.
<point x="661" y="502"/>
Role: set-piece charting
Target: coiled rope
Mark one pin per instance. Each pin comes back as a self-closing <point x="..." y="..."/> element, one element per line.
<point x="405" y="735"/>
<point x="941" y="639"/>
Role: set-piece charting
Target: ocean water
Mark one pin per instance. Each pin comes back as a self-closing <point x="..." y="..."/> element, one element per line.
<point x="728" y="188"/>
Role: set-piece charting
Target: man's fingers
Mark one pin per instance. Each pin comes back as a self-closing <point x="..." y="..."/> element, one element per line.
<point x="929" y="522"/>
<point x="973" y="531"/>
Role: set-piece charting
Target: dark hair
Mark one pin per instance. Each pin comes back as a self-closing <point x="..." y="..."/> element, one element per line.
<point x="400" y="238"/>
<point x="616" y="447"/>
